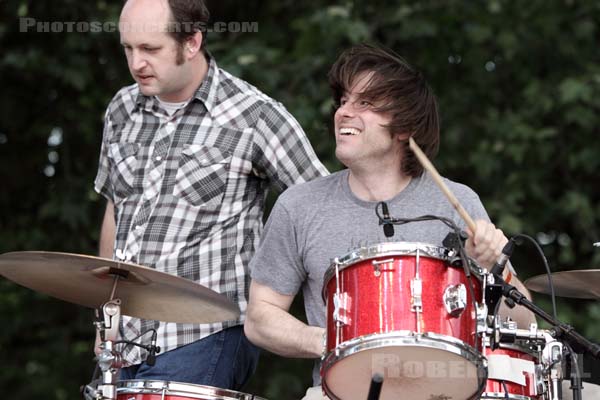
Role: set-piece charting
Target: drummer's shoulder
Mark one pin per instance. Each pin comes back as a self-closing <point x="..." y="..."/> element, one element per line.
<point x="460" y="190"/>
<point x="313" y="190"/>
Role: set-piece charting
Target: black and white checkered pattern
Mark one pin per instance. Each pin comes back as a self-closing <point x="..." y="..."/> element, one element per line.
<point x="189" y="189"/>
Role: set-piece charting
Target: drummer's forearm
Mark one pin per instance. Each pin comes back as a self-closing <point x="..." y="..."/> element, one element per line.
<point x="269" y="325"/>
<point x="107" y="232"/>
<point x="281" y="333"/>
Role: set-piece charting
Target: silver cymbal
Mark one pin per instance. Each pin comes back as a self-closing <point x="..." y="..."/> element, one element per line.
<point x="579" y="284"/>
<point x="144" y="292"/>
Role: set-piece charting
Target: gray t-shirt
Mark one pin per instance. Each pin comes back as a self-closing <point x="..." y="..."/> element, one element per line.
<point x="314" y="222"/>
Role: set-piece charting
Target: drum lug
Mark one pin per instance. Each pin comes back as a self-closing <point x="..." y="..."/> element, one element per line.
<point x="416" y="289"/>
<point x="455" y="299"/>
<point x="482" y="313"/>
<point x="341" y="304"/>
<point x="376" y="270"/>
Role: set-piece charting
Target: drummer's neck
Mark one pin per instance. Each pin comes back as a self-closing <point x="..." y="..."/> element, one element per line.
<point x="380" y="186"/>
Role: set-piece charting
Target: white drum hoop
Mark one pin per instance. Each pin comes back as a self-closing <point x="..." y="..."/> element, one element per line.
<point x="189" y="390"/>
<point x="503" y="396"/>
<point x="408" y="338"/>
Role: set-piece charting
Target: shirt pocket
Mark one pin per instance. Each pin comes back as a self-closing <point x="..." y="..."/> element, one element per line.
<point x="202" y="175"/>
<point x="122" y="175"/>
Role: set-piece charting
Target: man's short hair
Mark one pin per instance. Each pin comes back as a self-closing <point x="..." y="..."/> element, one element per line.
<point x="188" y="17"/>
<point x="398" y="90"/>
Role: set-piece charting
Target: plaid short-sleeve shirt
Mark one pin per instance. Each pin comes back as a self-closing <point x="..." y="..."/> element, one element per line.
<point x="189" y="188"/>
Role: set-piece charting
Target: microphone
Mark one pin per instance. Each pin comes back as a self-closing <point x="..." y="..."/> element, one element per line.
<point x="153" y="349"/>
<point x="151" y="359"/>
<point x="493" y="292"/>
<point x="507" y="251"/>
<point x="388" y="227"/>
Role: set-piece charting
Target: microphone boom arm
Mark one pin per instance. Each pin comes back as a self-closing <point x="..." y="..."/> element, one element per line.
<point x="560" y="329"/>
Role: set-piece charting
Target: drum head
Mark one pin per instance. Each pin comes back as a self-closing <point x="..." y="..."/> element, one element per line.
<point x="416" y="368"/>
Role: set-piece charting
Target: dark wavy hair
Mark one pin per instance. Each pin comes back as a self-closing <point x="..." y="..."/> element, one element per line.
<point x="397" y="89"/>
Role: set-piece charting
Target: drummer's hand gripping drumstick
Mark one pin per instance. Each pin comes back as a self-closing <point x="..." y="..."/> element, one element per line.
<point x="449" y="195"/>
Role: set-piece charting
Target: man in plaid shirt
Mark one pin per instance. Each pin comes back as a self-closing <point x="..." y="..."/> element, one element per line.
<point x="187" y="156"/>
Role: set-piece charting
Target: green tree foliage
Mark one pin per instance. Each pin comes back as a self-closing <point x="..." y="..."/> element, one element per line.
<point x="519" y="90"/>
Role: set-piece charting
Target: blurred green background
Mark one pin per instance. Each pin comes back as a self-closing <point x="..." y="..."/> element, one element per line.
<point x="519" y="90"/>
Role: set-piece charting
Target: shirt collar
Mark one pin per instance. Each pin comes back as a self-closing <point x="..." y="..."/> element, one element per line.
<point x="206" y="93"/>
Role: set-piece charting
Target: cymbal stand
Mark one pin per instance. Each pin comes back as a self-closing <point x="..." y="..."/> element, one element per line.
<point x="576" y="384"/>
<point x="559" y="331"/>
<point x="552" y="358"/>
<point x="109" y="360"/>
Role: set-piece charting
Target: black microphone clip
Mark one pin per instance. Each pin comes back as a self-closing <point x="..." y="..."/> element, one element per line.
<point x="152" y="351"/>
<point x="388" y="227"/>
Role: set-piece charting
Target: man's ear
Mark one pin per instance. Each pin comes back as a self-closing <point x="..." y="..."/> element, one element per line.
<point x="403" y="137"/>
<point x="193" y="44"/>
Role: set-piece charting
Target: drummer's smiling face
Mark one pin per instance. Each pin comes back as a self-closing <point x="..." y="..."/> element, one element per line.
<point x="362" y="138"/>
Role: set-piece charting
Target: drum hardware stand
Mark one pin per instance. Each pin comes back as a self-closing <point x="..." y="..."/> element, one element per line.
<point x="109" y="360"/>
<point x="552" y="357"/>
<point x="492" y="294"/>
<point x="507" y="332"/>
<point x="454" y="241"/>
<point x="576" y="384"/>
<point x="559" y="331"/>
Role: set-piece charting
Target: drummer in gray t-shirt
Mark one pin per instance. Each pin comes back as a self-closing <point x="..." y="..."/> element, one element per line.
<point x="381" y="101"/>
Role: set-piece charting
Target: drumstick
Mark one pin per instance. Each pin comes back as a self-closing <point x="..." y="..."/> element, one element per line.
<point x="439" y="181"/>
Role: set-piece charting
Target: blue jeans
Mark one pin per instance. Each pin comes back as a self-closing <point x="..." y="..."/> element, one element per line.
<point x="225" y="360"/>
